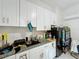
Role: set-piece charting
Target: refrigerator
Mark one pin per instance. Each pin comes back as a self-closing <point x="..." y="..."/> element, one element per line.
<point x="63" y="38"/>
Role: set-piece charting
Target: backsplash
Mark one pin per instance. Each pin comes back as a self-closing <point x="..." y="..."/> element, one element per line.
<point x="15" y="33"/>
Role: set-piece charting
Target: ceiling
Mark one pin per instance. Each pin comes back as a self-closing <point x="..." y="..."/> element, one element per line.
<point x="63" y="4"/>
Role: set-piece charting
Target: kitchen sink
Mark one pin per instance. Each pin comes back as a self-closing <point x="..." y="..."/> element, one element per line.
<point x="32" y="43"/>
<point x="17" y="46"/>
<point x="5" y="50"/>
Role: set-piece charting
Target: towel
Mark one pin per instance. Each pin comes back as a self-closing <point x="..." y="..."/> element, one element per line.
<point x="30" y="27"/>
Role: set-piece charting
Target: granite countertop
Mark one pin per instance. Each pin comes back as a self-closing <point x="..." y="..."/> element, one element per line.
<point x="24" y="48"/>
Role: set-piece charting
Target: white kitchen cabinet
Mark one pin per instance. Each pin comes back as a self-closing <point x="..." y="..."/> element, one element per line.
<point x="52" y="18"/>
<point x="47" y="19"/>
<point x="32" y="13"/>
<point x="40" y="18"/>
<point x="47" y="51"/>
<point x="10" y="57"/>
<point x="23" y="55"/>
<point x="23" y="12"/>
<point x="9" y="15"/>
<point x="0" y="12"/>
<point x="27" y="13"/>
<point x="59" y="17"/>
<point x="50" y="50"/>
<point x="37" y="53"/>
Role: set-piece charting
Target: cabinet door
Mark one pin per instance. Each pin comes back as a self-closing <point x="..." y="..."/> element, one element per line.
<point x="11" y="57"/>
<point x="37" y="53"/>
<point x="27" y="12"/>
<point x="23" y="55"/>
<point x="46" y="52"/>
<point x="50" y="50"/>
<point x="52" y="18"/>
<point x="2" y="18"/>
<point x="32" y="13"/>
<point x="40" y="18"/>
<point x="9" y="12"/>
<point x="44" y="19"/>
<point x="47" y="19"/>
<point x="23" y="13"/>
<point x="1" y="12"/>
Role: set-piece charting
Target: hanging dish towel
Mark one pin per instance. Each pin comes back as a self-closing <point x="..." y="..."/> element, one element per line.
<point x="30" y="27"/>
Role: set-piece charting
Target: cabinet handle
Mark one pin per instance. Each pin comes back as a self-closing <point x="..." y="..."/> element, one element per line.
<point x="44" y="27"/>
<point x="52" y="44"/>
<point x="26" y="56"/>
<point x="8" y="20"/>
<point x="3" y="20"/>
<point x="22" y="57"/>
<point x="42" y="55"/>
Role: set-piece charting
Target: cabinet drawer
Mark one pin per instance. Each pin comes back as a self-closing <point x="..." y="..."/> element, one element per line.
<point x="10" y="57"/>
<point x="23" y="55"/>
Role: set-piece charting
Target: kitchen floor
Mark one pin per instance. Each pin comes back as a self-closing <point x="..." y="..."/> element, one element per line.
<point x="65" y="56"/>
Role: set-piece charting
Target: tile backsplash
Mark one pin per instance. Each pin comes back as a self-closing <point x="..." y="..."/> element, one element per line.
<point x="15" y="33"/>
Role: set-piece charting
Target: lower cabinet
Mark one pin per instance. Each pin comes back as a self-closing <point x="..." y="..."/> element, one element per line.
<point x="11" y="57"/>
<point x="50" y="51"/>
<point x="47" y="51"/>
<point x="23" y="55"/>
<point x="37" y="53"/>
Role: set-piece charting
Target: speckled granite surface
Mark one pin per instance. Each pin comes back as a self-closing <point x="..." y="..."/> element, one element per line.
<point x="24" y="48"/>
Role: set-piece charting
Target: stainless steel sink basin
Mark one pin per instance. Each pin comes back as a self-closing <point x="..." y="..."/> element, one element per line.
<point x="32" y="43"/>
<point x="5" y="50"/>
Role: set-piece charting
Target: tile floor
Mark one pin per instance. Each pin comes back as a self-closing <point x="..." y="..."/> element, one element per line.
<point x="65" y="56"/>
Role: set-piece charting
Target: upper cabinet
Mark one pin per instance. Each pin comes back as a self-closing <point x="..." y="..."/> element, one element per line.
<point x="27" y="13"/>
<point x="9" y="10"/>
<point x="32" y="14"/>
<point x="52" y="18"/>
<point x="0" y="11"/>
<point x="23" y="13"/>
<point x="45" y="18"/>
<point x="59" y="17"/>
<point x="40" y="18"/>
<point x="19" y="12"/>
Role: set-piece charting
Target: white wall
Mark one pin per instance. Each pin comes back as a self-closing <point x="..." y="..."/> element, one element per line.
<point x="72" y="11"/>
